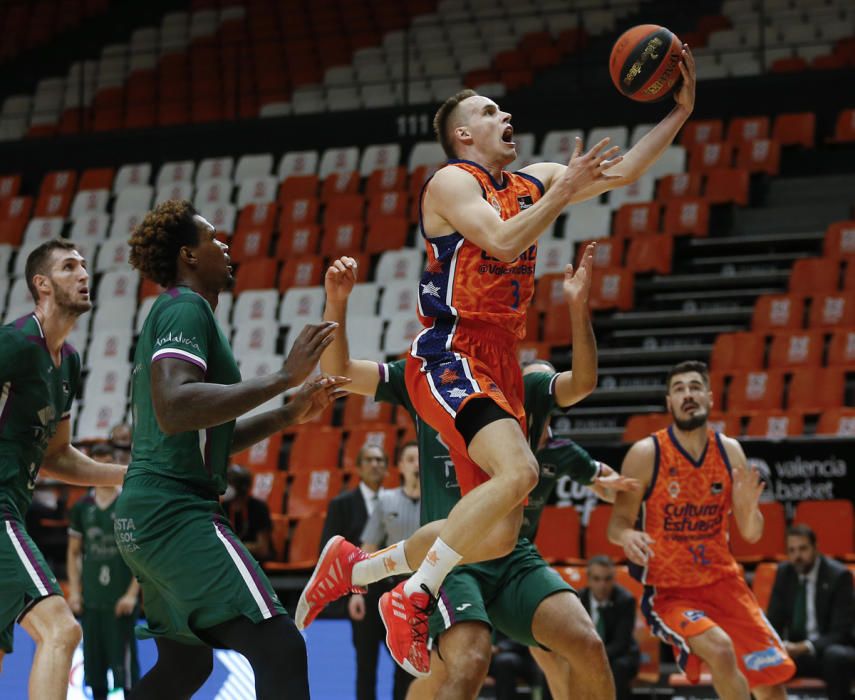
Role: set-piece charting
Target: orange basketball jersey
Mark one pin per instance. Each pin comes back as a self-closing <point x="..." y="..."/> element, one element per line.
<point x="685" y="510"/>
<point x="461" y="281"/>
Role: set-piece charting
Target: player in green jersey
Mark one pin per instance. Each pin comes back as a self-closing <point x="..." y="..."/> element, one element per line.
<point x="201" y="587"/>
<point x="526" y="590"/>
<point x="39" y="377"/>
<point x="102" y="591"/>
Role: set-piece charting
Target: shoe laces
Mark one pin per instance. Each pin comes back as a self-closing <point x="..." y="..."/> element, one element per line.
<point x="421" y="626"/>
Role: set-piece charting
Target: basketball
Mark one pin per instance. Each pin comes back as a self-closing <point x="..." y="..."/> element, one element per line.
<point x="644" y="63"/>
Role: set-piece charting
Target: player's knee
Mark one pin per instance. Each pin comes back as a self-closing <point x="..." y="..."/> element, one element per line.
<point x="585" y="649"/>
<point x="720" y="655"/>
<point x="64" y="631"/>
<point x="524" y="479"/>
<point x="470" y="667"/>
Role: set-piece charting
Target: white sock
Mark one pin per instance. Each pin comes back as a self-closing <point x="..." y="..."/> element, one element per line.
<point x="437" y="564"/>
<point x="381" y="564"/>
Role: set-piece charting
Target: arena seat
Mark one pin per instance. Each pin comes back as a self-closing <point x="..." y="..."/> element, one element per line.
<point x="795" y="129"/>
<point x="813" y="390"/>
<point x="838" y="422"/>
<point x="778" y="312"/>
<point x="764" y="580"/>
<point x="315" y="447"/>
<point x="775" y="425"/>
<point x="738" y="351"/>
<point x="697" y="131"/>
<point x="640" y="426"/>
<point x="255" y="273"/>
<point x="311" y="491"/>
<point x="760" y="155"/>
<point x="796" y="349"/>
<point x="840" y="240"/>
<point x="262" y="456"/>
<point x="830" y="311"/>
<point x="637" y="218"/>
<point x="726" y="185"/>
<point x="756" y="391"/>
<point x="303" y="546"/>
<point x="557" y="537"/>
<point x="833" y="521"/>
<point x="364" y="409"/>
<point x="382" y="435"/>
<point x="844" y="127"/>
<point x="679" y="185"/>
<point x="651" y="252"/>
<point x="686" y="216"/>
<point x="841" y="348"/>
<point x="746" y="129"/>
<point x="596" y="537"/>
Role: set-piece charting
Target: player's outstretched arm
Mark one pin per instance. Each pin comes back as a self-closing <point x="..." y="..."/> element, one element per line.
<point x="573" y="386"/>
<point x="747" y="487"/>
<point x="65" y="462"/>
<point x="641" y="156"/>
<point x="312" y="398"/>
<point x="364" y="374"/>
<point x="638" y="464"/>
<point x="608" y="483"/>
<point x="454" y="202"/>
<point x="183" y="401"/>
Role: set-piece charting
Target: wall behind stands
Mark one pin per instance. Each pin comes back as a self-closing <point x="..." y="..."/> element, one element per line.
<point x="561" y="98"/>
<point x="814" y="469"/>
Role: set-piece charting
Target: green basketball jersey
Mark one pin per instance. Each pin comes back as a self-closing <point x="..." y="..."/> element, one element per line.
<point x="440" y="491"/>
<point x="35" y="395"/>
<point x="181" y="325"/>
<point x="106" y="577"/>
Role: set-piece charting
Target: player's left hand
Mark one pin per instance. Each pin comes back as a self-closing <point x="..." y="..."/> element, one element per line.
<point x="747" y="486"/>
<point x="685" y="95"/>
<point x="577" y="285"/>
<point x="315" y="396"/>
<point x="616" y="482"/>
<point x="340" y="278"/>
<point x="125" y="605"/>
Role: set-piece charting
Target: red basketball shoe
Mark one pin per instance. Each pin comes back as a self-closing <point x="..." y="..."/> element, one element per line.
<point x="406" y="621"/>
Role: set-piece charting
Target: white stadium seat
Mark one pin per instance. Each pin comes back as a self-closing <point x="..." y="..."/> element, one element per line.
<point x="175" y="190"/>
<point x="41" y="229"/>
<point x="258" y="165"/>
<point x="214" y="169"/>
<point x="132" y="175"/>
<point x="257" y="338"/>
<point x="399" y="297"/>
<point x="297" y="163"/>
<point x="338" y="160"/>
<point x="176" y="171"/>
<point x="401" y="264"/>
<point x="301" y="305"/>
<point x="256" y="305"/>
<point x="134" y="198"/>
<point x="89" y="202"/>
<point x="90" y="227"/>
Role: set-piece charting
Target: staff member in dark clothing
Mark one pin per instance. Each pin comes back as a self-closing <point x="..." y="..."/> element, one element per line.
<point x="249" y="516"/>
<point x="811" y="607"/>
<point x="612" y="608"/>
<point x="347" y="515"/>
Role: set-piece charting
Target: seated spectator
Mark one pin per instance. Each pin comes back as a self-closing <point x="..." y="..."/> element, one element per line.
<point x="811" y="607"/>
<point x="612" y="608"/>
<point x="249" y="516"/>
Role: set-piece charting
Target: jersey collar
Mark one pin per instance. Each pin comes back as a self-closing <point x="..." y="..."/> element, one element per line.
<point x="496" y="185"/>
<point x="695" y="463"/>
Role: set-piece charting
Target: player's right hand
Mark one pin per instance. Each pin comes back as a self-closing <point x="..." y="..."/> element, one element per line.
<point x="585" y="170"/>
<point x="356" y="607"/>
<point x="75" y="602"/>
<point x="636" y="546"/>
<point x="340" y="278"/>
<point x="307" y="349"/>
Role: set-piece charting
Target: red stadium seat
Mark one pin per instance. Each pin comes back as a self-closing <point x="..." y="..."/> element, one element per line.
<point x="301" y="271"/>
<point x="778" y="312"/>
<point x="701" y="131"/>
<point x="833" y="522"/>
<point x="761" y="155"/>
<point x="612" y="288"/>
<point x="338" y="184"/>
<point x="710" y="156"/>
<point x="637" y="218"/>
<point x="270" y="488"/>
<point x="256" y="273"/>
<point x="650" y="252"/>
<point x="298" y="241"/>
<point x="849" y="276"/>
<point x="756" y="391"/>
<point x="556" y="326"/>
<point x="776" y="425"/>
<point x="386" y="233"/>
<point x="311" y="491"/>
<point x="386" y="180"/>
<point x="796" y="349"/>
<point x="746" y="129"/>
<point x="10" y="185"/>
<point x="557" y="537"/>
<point x="56" y="182"/>
<point x="678" y="186"/>
<point x="844" y="127"/>
<point x="596" y="538"/>
<point x="14" y="215"/>
<point x="305" y="544"/>
<point x="738" y="351"/>
<point x="837" y="421"/>
<point x="315" y="447"/>
<point x="814" y="275"/>
<point x="262" y="456"/>
<point x="795" y="129"/>
<point x="641" y="425"/>
<point x="771" y="543"/>
<point x="298" y="187"/>
<point x="841" y="349"/>
<point x="726" y="423"/>
<point x="344" y="207"/>
<point x="96" y="179"/>
<point x="727" y="185"/>
<point x="764" y="580"/>
<point x="840" y="240"/>
<point x="384" y="204"/>
<point x="814" y="390"/>
<point x="53" y="204"/>
<point x="363" y="409"/>
<point x="687" y="215"/>
<point x="832" y="311"/>
<point x="250" y="243"/>
<point x="608" y="252"/>
<point x="342" y="237"/>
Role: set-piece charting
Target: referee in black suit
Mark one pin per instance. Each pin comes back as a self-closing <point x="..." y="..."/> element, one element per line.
<point x="347" y="516"/>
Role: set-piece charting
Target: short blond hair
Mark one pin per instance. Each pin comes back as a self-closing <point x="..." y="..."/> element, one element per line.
<point x="443" y="117"/>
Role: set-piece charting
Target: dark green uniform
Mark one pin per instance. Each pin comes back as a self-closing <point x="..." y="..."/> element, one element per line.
<point x="35" y="395"/>
<point x="502" y="592"/>
<point x="108" y="640"/>
<point x="194" y="571"/>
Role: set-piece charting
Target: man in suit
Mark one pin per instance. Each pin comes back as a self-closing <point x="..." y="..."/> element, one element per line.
<point x="612" y="608"/>
<point x="347" y="515"/>
<point x="811" y="607"/>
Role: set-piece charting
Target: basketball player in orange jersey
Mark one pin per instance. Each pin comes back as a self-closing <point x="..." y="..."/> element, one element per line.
<point x="695" y="597"/>
<point x="481" y="226"/>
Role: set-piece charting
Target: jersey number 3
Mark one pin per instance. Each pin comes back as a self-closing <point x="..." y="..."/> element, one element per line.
<point x="515" y="290"/>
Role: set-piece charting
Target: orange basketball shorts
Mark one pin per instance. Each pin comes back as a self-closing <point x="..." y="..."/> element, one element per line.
<point x="675" y="615"/>
<point x="449" y="366"/>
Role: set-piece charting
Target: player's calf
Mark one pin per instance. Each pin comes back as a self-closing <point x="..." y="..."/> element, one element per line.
<point x="466" y="651"/>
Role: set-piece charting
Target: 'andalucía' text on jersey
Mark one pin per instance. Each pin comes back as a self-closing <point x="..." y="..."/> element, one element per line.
<point x="181" y="326"/>
<point x="35" y="395"/>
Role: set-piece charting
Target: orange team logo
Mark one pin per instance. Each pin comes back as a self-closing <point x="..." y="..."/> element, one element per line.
<point x="432" y="558"/>
<point x="449" y="376"/>
<point x="494" y="202"/>
<point x="389" y="564"/>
